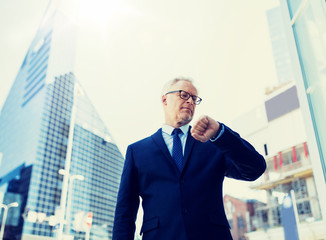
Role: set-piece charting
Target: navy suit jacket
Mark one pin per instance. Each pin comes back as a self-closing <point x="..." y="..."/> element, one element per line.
<point x="185" y="205"/>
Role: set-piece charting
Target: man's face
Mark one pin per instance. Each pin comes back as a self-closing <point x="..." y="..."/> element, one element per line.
<point x="178" y="111"/>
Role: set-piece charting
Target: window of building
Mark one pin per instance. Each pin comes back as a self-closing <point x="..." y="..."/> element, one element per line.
<point x="241" y="222"/>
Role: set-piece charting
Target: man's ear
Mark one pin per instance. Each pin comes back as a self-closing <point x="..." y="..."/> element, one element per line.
<point x="164" y="100"/>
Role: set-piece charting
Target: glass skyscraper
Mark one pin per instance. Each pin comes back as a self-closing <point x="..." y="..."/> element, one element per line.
<point x="34" y="131"/>
<point x="307" y="31"/>
<point x="280" y="46"/>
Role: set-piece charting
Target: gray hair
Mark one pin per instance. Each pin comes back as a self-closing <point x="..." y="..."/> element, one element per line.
<point x="174" y="81"/>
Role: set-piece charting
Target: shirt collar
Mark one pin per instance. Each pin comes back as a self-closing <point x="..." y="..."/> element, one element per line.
<point x="169" y="129"/>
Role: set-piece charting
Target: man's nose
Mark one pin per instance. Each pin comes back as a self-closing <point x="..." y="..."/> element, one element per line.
<point x="191" y="101"/>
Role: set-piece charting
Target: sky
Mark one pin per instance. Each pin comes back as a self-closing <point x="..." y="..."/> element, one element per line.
<point x="130" y="49"/>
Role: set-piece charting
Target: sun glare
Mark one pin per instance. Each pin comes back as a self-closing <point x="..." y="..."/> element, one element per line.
<point x="100" y="12"/>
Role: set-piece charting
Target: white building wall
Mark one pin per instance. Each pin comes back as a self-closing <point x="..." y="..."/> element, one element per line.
<point x="285" y="132"/>
<point x="279" y="134"/>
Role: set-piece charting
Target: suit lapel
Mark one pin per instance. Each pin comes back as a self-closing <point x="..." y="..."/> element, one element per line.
<point x="158" y="139"/>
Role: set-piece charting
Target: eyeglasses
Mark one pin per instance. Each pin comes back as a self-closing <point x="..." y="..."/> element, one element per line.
<point x="185" y="95"/>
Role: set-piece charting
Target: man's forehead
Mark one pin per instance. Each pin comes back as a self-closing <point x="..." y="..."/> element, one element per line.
<point x="183" y="85"/>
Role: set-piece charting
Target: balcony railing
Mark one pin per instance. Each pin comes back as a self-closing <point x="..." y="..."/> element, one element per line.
<point x="282" y="173"/>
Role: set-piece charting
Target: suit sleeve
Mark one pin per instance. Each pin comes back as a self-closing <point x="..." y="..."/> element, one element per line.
<point x="243" y="162"/>
<point x="127" y="202"/>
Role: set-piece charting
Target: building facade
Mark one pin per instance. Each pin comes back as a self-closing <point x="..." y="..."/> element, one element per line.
<point x="241" y="215"/>
<point x="277" y="130"/>
<point x="280" y="46"/>
<point x="306" y="24"/>
<point x="35" y="128"/>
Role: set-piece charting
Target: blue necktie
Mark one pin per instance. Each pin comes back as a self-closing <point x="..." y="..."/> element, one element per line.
<point x="177" y="149"/>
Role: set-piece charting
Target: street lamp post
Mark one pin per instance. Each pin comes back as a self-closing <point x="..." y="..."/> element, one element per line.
<point x="68" y="210"/>
<point x="4" y="218"/>
<point x="64" y="190"/>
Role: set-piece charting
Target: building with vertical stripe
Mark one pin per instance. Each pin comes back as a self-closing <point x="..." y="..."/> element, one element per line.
<point x="34" y="129"/>
<point x="280" y="46"/>
<point x="305" y="27"/>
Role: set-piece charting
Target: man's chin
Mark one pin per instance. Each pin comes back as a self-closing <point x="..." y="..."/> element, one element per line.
<point x="186" y="119"/>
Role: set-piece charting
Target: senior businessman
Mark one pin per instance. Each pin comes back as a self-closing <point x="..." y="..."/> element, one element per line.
<point x="179" y="171"/>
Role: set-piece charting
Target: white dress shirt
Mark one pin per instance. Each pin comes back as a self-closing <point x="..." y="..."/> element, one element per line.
<point x="168" y="137"/>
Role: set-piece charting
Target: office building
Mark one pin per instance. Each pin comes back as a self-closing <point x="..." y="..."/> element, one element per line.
<point x="44" y="105"/>
<point x="241" y="215"/>
<point x="277" y="131"/>
<point x="305" y="27"/>
<point x="280" y="46"/>
<point x="304" y="24"/>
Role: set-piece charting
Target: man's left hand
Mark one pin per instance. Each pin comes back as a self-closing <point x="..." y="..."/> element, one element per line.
<point x="204" y="129"/>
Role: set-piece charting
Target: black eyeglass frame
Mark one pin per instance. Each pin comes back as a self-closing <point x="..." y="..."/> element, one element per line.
<point x="197" y="100"/>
